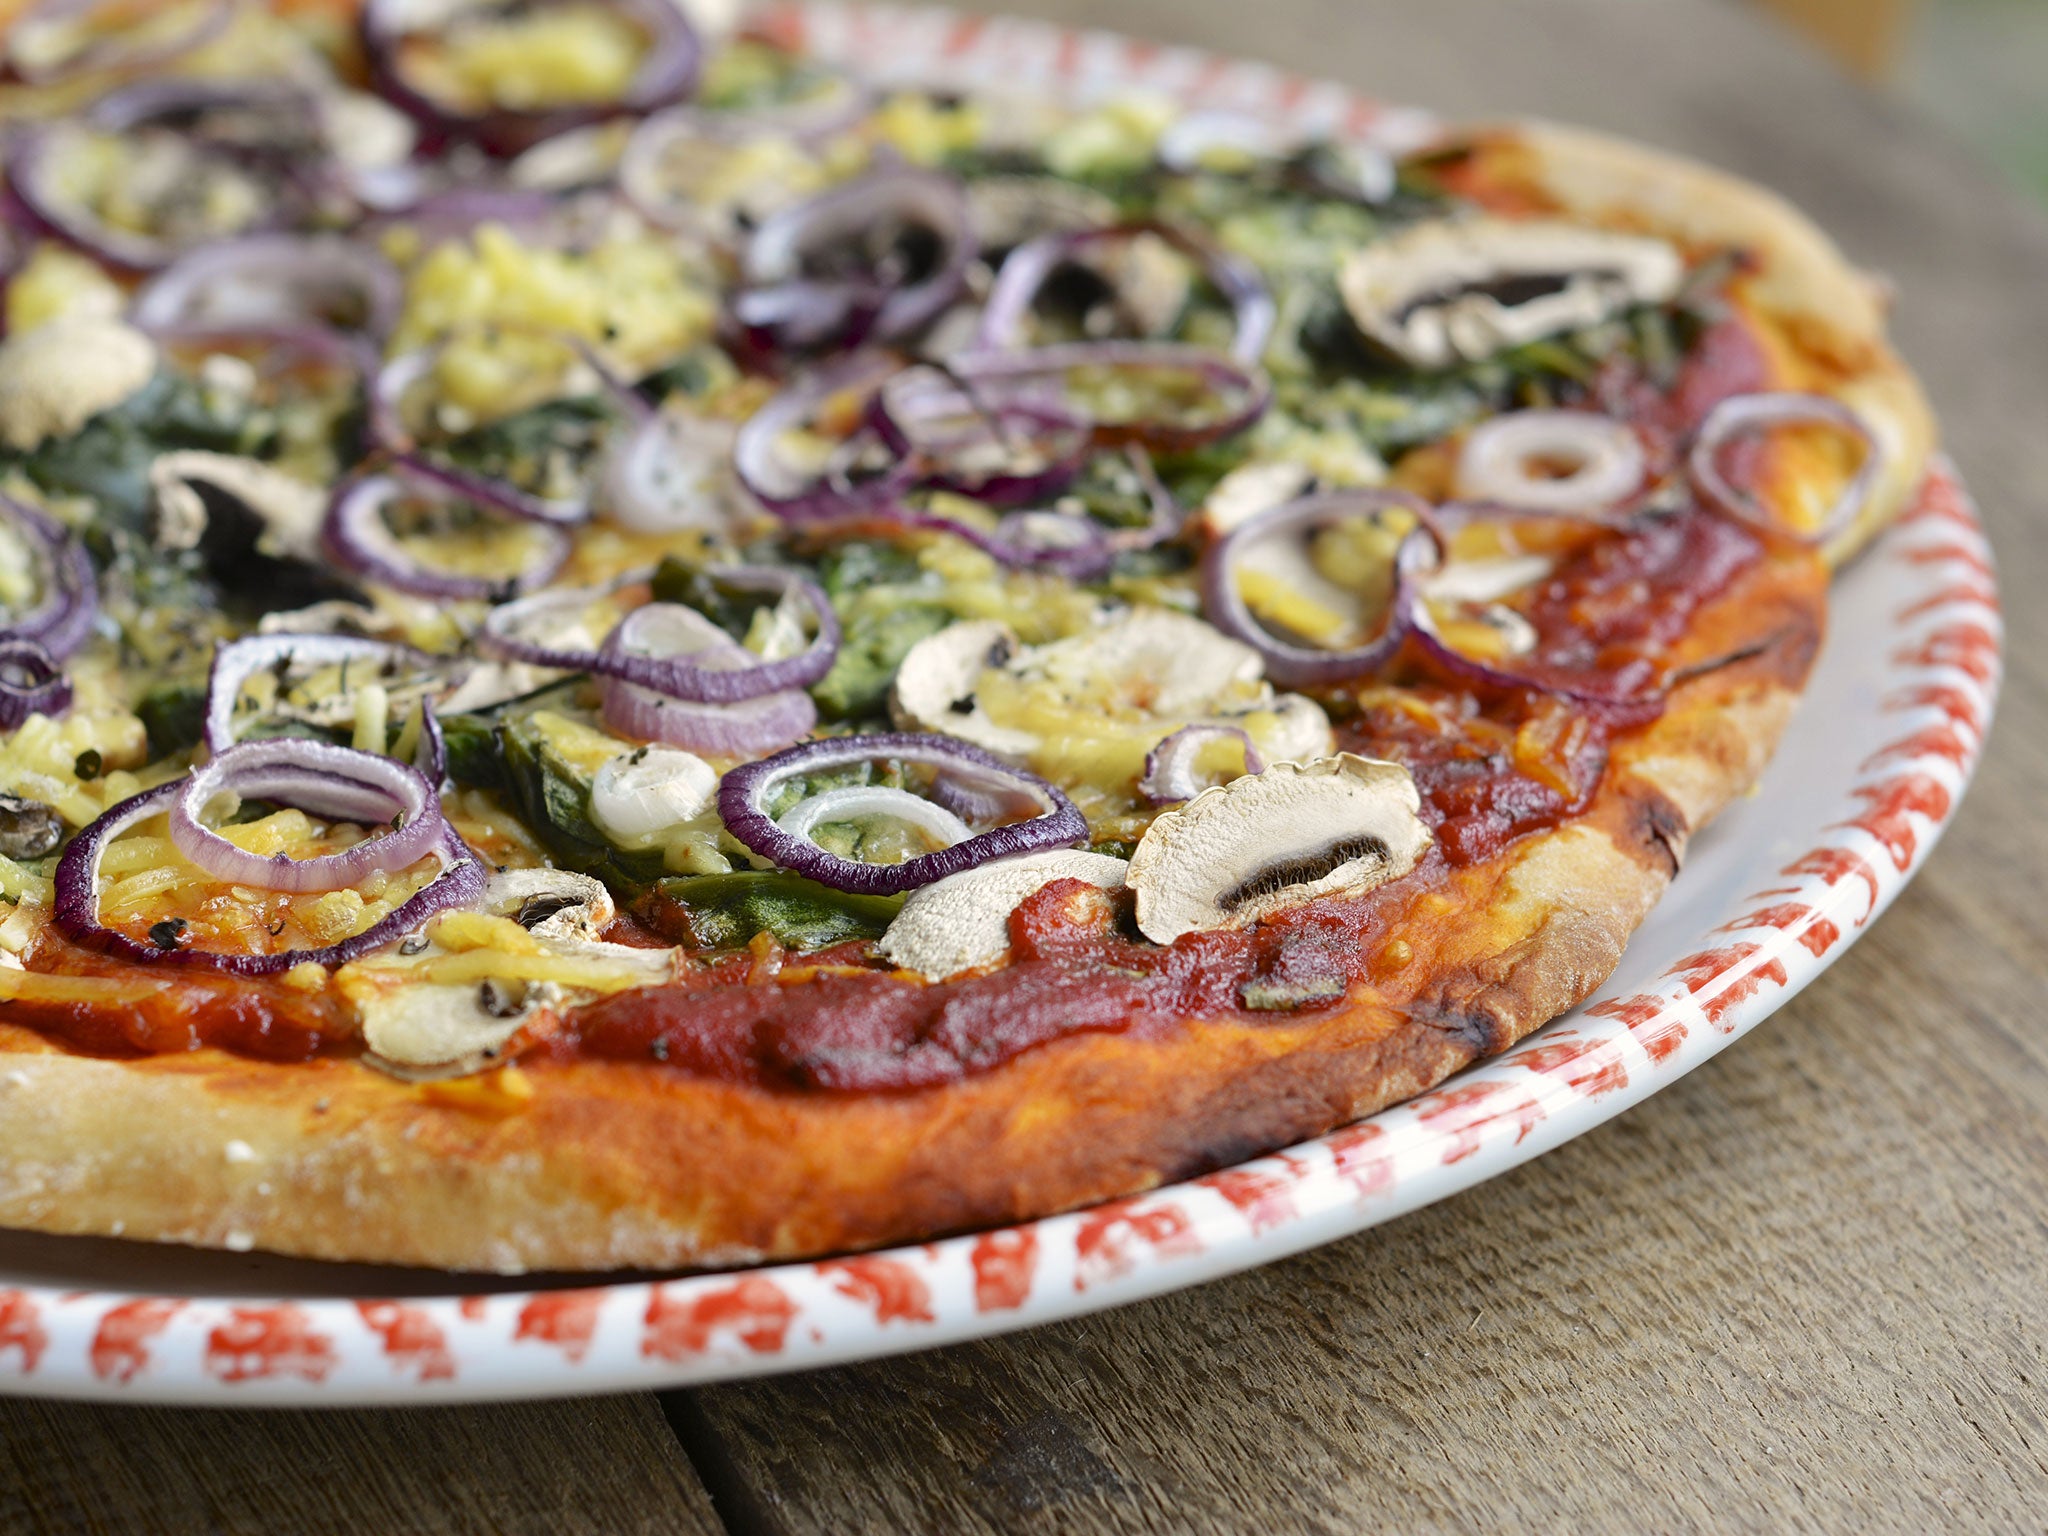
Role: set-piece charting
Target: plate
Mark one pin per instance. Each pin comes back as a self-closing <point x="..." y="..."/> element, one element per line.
<point x="1870" y="772"/>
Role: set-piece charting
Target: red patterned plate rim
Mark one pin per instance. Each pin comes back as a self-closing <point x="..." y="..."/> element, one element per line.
<point x="1872" y="771"/>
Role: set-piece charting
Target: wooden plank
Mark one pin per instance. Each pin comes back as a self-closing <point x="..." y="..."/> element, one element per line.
<point x="1801" y="1289"/>
<point x="605" y="1466"/>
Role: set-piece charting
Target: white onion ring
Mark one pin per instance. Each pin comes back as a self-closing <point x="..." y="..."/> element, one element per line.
<point x="808" y="814"/>
<point x="1604" y="457"/>
<point x="327" y="780"/>
<point x="1170" y="767"/>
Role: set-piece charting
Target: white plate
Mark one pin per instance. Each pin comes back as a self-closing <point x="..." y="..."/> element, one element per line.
<point x="1871" y="770"/>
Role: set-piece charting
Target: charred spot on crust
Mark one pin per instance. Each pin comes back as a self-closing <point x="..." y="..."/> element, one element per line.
<point x="1481" y="1030"/>
<point x="1664" y="828"/>
<point x="1303" y="870"/>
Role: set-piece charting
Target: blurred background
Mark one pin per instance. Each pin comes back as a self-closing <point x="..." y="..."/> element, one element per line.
<point x="1979" y="67"/>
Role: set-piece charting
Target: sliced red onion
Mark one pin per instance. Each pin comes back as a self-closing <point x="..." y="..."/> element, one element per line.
<point x="356" y="535"/>
<point x="667" y="73"/>
<point x="539" y="220"/>
<point x="68" y="600"/>
<point x="529" y="629"/>
<point x="745" y="729"/>
<point x="649" y="651"/>
<point x="238" y="661"/>
<point x="266" y="281"/>
<point x="1170" y="767"/>
<point x="1741" y="415"/>
<point x="788" y="304"/>
<point x="1044" y="375"/>
<point x="33" y="170"/>
<point x="1028" y="267"/>
<point x="388" y="429"/>
<point x="1002" y="453"/>
<point x="31" y="683"/>
<point x="803" y="492"/>
<point x="118" y="49"/>
<point x="460" y="884"/>
<point x="325" y="780"/>
<point x="746" y="790"/>
<point x="646" y="166"/>
<point x="1601" y="462"/>
<point x="1301" y="665"/>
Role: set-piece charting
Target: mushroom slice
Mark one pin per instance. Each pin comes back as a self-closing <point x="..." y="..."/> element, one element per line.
<point x="934" y="689"/>
<point x="1464" y="289"/>
<point x="1251" y="489"/>
<point x="191" y="486"/>
<point x="1088" y="708"/>
<point x="1337" y="826"/>
<point x="422" y="1031"/>
<point x="963" y="921"/>
<point x="551" y="903"/>
<point x="58" y="376"/>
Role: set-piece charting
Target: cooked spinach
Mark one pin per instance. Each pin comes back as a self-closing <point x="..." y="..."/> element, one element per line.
<point x="726" y="911"/>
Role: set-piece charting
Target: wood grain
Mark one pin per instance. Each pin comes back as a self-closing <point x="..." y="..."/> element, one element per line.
<point x="1799" y="1291"/>
<point x="606" y="1467"/>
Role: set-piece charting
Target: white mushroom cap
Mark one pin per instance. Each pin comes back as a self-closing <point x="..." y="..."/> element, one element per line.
<point x="1169" y="664"/>
<point x="562" y="904"/>
<point x="963" y="921"/>
<point x="58" y="376"/>
<point x="1239" y="853"/>
<point x="934" y="689"/>
<point x="1422" y="295"/>
<point x="1145" y="675"/>
<point x="292" y="511"/>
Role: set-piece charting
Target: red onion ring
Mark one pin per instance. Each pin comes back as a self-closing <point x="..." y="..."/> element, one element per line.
<point x="667" y="74"/>
<point x="641" y="174"/>
<point x="1300" y="665"/>
<point x="31" y="683"/>
<point x="62" y="618"/>
<point x="744" y="792"/>
<point x="745" y="729"/>
<point x="734" y="673"/>
<point x="239" y="660"/>
<point x="112" y="50"/>
<point x="388" y="430"/>
<point x="1740" y="415"/>
<point x="925" y="416"/>
<point x="782" y="308"/>
<point x="271" y="281"/>
<point x="32" y="174"/>
<point x="1170" y="767"/>
<point x="460" y="884"/>
<point x="727" y="673"/>
<point x="356" y="535"/>
<point x="1027" y="268"/>
<point x="796" y="493"/>
<point x="1242" y="389"/>
<point x="326" y="780"/>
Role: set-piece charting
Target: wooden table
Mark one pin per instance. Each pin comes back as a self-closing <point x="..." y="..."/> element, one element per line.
<point x="1801" y="1290"/>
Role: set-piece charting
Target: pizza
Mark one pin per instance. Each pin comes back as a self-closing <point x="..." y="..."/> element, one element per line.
<point x="622" y="650"/>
